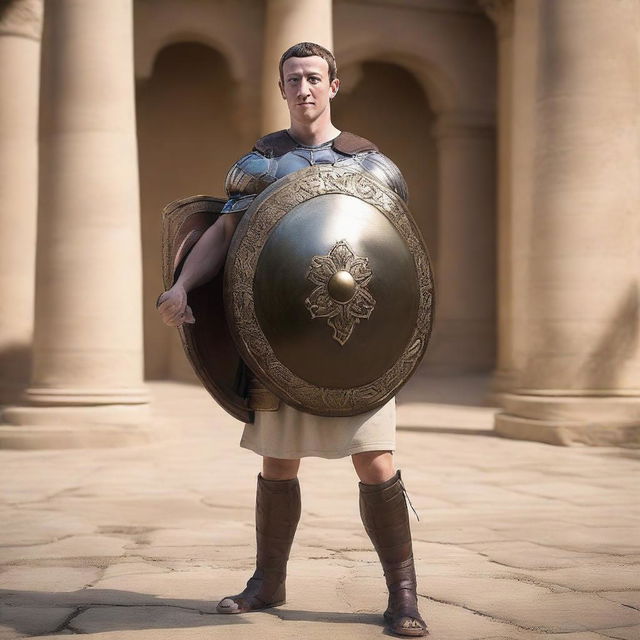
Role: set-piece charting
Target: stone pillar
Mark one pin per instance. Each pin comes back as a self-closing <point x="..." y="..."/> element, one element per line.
<point x="287" y="23"/>
<point x="87" y="382"/>
<point x="20" y="30"/>
<point x="577" y="318"/>
<point x="501" y="12"/>
<point x="464" y="330"/>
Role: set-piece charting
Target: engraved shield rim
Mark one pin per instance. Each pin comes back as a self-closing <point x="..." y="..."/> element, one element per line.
<point x="244" y="252"/>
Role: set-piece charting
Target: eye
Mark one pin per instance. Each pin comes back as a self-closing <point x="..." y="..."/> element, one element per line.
<point x="291" y="80"/>
<point x="314" y="80"/>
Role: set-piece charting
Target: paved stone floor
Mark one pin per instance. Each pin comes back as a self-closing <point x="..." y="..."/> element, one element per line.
<point x="516" y="540"/>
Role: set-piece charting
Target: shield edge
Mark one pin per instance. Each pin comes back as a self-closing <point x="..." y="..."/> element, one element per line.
<point x="243" y="255"/>
<point x="177" y="242"/>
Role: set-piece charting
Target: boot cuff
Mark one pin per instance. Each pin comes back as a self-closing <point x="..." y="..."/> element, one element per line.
<point x="277" y="485"/>
<point x="375" y="488"/>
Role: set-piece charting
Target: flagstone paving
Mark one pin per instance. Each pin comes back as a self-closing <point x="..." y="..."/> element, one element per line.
<point x="516" y="540"/>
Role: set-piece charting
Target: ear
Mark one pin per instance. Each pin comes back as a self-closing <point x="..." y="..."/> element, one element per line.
<point x="281" y="87"/>
<point x="335" y="85"/>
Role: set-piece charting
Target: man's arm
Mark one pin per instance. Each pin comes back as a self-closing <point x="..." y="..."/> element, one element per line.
<point x="209" y="253"/>
<point x="202" y="264"/>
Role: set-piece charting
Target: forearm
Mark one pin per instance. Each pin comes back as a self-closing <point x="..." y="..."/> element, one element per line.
<point x="206" y="258"/>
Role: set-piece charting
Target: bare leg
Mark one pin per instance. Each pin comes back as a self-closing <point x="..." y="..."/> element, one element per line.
<point x="373" y="467"/>
<point x="280" y="468"/>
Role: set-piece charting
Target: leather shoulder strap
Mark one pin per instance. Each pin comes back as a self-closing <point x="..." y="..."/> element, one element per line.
<point x="351" y="144"/>
<point x="276" y="144"/>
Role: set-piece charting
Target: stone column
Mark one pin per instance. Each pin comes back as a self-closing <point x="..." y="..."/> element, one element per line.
<point x="464" y="330"/>
<point x="501" y="12"/>
<point x="577" y="319"/>
<point x="20" y="30"/>
<point x="287" y="23"/>
<point x="87" y="382"/>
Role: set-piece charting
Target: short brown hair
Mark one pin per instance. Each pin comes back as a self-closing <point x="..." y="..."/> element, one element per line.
<point x="307" y="49"/>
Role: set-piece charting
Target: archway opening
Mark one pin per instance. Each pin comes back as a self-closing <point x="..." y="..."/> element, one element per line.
<point x="385" y="103"/>
<point x="187" y="140"/>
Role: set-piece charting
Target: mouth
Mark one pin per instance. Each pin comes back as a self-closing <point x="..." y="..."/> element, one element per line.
<point x="305" y="104"/>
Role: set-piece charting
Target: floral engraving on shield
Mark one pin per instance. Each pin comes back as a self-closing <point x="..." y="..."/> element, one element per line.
<point x="341" y="294"/>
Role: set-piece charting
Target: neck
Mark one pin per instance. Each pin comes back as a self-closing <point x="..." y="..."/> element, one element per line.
<point x="313" y="133"/>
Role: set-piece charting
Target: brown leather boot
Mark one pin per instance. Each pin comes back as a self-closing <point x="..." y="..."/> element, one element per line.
<point x="385" y="517"/>
<point x="277" y="515"/>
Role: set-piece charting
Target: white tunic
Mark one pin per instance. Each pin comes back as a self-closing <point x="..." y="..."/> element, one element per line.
<point x="289" y="433"/>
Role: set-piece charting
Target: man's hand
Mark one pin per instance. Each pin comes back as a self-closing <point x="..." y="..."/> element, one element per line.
<point x="173" y="308"/>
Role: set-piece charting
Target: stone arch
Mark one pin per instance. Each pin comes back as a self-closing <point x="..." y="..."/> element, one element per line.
<point x="187" y="138"/>
<point x="147" y="54"/>
<point x="437" y="85"/>
<point x="452" y="53"/>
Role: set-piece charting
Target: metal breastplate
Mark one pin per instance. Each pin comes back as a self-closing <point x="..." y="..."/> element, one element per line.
<point x="304" y="157"/>
<point x="254" y="172"/>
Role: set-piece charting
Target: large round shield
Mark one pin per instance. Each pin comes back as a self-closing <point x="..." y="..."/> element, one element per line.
<point x="329" y="291"/>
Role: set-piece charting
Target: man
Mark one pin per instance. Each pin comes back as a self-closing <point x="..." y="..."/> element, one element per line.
<point x="308" y="82"/>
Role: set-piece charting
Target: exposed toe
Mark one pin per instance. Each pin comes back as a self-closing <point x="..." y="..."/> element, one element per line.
<point x="406" y="625"/>
<point x="228" y="605"/>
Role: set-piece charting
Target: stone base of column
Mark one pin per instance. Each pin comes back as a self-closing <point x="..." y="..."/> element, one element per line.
<point x="564" y="420"/>
<point x="502" y="381"/>
<point x="53" y="419"/>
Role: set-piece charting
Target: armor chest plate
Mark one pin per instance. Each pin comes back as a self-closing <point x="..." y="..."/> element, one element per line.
<point x="304" y="157"/>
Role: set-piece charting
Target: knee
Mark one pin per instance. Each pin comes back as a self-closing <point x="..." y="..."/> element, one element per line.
<point x="279" y="468"/>
<point x="374" y="467"/>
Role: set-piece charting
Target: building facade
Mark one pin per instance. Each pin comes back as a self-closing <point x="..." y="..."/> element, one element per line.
<point x="518" y="140"/>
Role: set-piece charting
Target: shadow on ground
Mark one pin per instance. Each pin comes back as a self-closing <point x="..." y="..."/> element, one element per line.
<point x="459" y="431"/>
<point x="102" y="610"/>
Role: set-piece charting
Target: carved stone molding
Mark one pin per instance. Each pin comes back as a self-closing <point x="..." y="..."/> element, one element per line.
<point x="21" y="18"/>
<point x="501" y="12"/>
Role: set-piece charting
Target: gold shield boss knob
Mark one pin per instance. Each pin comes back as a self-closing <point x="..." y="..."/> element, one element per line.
<point x="341" y="286"/>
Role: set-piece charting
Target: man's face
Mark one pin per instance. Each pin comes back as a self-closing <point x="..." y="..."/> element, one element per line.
<point x="305" y="86"/>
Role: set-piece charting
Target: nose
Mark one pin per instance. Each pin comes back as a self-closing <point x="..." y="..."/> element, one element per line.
<point x="303" y="89"/>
